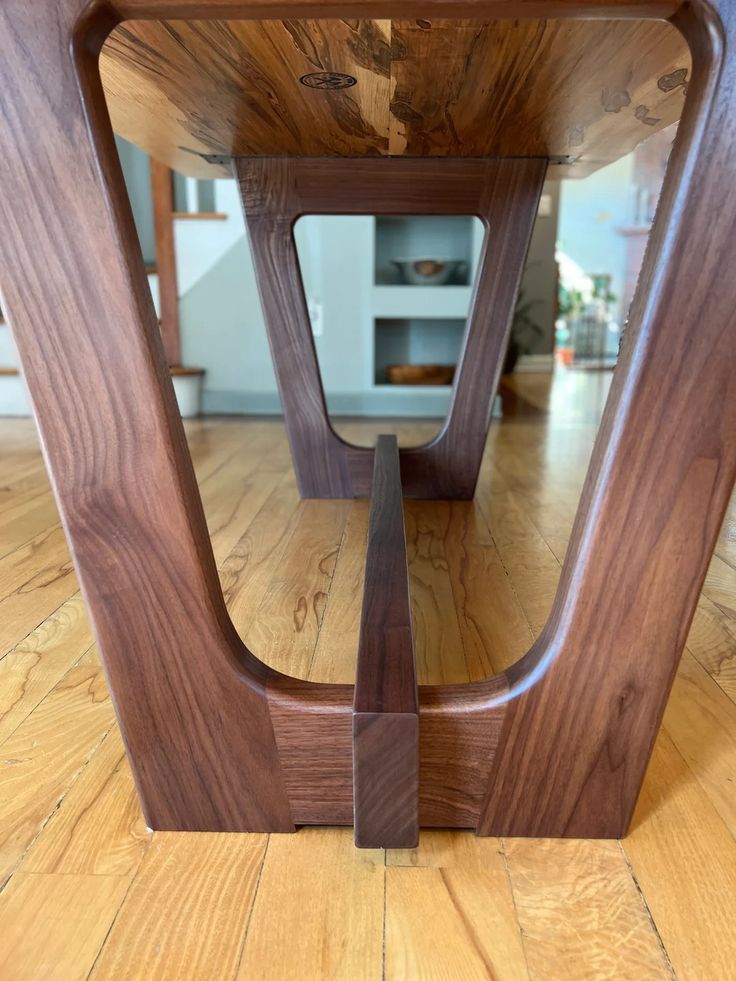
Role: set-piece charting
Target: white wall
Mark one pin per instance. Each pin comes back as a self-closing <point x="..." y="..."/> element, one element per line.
<point x="222" y="331"/>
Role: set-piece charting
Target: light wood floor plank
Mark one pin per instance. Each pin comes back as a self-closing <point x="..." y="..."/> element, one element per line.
<point x="684" y="859"/>
<point x="452" y="886"/>
<point x="712" y="641"/>
<point x="44" y="755"/>
<point x="99" y="828"/>
<point x="448" y="923"/>
<point x="336" y="651"/>
<point x="35" y="665"/>
<point x="438" y="644"/>
<point x="319" y="910"/>
<point x="27" y="519"/>
<point x="532" y="566"/>
<point x="186" y="913"/>
<point x="22" y="481"/>
<point x="720" y="586"/>
<point x="285" y="627"/>
<point x="52" y="926"/>
<point x="494" y="630"/>
<point x="230" y="513"/>
<point x="701" y="721"/>
<point x="248" y="569"/>
<point x="580" y="913"/>
<point x="34" y="581"/>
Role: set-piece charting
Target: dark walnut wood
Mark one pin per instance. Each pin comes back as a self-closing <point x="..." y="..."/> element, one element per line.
<point x="504" y="193"/>
<point x="385" y="705"/>
<point x="558" y="745"/>
<point x="577" y="740"/>
<point x="585" y="89"/>
<point x="189" y="696"/>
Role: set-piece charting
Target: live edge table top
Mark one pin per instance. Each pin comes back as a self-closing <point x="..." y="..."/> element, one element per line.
<point x="581" y="92"/>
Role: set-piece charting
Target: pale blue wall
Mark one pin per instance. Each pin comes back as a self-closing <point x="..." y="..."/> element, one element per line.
<point x="222" y="331"/>
<point x="137" y="173"/>
<point x="591" y="211"/>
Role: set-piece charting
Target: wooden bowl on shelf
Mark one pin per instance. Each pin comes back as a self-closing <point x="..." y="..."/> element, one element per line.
<point x="420" y="374"/>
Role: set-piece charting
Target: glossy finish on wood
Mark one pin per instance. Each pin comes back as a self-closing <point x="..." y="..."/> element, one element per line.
<point x="460" y="726"/>
<point x="662" y="470"/>
<point x="275" y="192"/>
<point x="577" y="908"/>
<point x="424" y="87"/>
<point x="385" y="706"/>
<point x="218" y="741"/>
<point x="184" y="685"/>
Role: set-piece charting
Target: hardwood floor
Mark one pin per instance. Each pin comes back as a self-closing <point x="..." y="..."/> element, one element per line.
<point x="88" y="892"/>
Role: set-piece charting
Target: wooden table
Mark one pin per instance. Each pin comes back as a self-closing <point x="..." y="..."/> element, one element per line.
<point x="379" y="107"/>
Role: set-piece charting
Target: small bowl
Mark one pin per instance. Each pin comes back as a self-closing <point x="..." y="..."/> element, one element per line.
<point x="430" y="271"/>
<point x="420" y="374"/>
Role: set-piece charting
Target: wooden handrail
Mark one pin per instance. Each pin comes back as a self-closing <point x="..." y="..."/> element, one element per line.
<point x="385" y="706"/>
<point x="162" y="196"/>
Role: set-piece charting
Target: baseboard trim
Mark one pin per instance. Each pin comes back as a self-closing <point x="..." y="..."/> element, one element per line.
<point x="398" y="401"/>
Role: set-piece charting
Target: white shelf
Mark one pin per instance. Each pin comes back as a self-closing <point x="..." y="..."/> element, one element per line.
<point x="424" y="302"/>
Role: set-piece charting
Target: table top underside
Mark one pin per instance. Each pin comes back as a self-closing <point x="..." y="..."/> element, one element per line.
<point x="583" y="91"/>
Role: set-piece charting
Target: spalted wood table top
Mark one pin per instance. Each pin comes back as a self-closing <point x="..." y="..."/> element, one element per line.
<point x="582" y="92"/>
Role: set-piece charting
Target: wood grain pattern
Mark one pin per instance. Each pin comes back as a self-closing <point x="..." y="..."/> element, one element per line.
<point x="335" y="653"/>
<point x="438" y="645"/>
<point x="323" y="884"/>
<point x="712" y="640"/>
<point x="385" y="706"/>
<point x="550" y="88"/>
<point x="36" y="664"/>
<point x="632" y="575"/>
<point x="459" y="731"/>
<point x="42" y="757"/>
<point x="503" y="192"/>
<point x="187" y="910"/>
<point x="579" y="910"/>
<point x="426" y="86"/>
<point x="701" y="721"/>
<point x="122" y="474"/>
<point x="450" y="909"/>
<point x="678" y="839"/>
<point x="23" y="522"/>
<point x="298" y="592"/>
<point x="54" y="925"/>
<point x="680" y="867"/>
<point x="493" y="628"/>
<point x="449" y="922"/>
<point x="386" y="676"/>
<point x="258" y="100"/>
<point x="34" y="581"/>
<point x="98" y="829"/>
<point x="217" y="740"/>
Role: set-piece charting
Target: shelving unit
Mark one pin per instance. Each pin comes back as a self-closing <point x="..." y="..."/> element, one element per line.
<point x="369" y="319"/>
<point x="415" y="340"/>
<point x="421" y="324"/>
<point x="436" y="236"/>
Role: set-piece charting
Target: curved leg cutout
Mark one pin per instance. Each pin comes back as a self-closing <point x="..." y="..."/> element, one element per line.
<point x="558" y="745"/>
